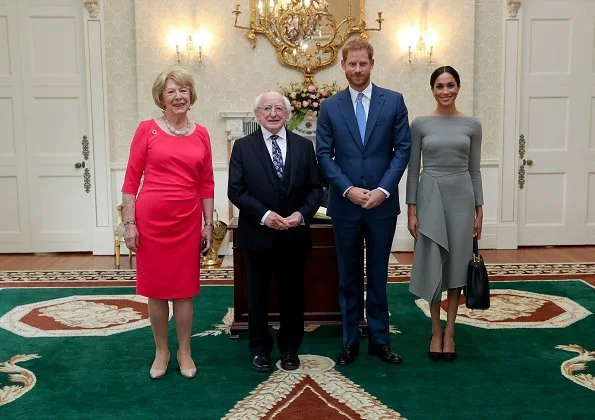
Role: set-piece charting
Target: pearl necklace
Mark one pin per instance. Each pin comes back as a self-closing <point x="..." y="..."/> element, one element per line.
<point x="174" y="130"/>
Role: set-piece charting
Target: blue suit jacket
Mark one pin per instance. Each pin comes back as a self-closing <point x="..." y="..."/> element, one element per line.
<point x="379" y="162"/>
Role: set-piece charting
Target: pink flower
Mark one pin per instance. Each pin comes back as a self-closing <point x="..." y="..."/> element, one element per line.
<point x="315" y="104"/>
<point x="312" y="88"/>
<point x="305" y="104"/>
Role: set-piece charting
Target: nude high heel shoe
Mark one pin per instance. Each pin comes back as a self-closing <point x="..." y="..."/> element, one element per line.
<point x="186" y="373"/>
<point x="159" y="373"/>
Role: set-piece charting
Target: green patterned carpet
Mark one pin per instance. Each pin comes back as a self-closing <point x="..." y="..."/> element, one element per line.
<point x="90" y="349"/>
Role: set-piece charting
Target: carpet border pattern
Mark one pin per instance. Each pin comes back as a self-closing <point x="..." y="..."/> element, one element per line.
<point x="226" y="273"/>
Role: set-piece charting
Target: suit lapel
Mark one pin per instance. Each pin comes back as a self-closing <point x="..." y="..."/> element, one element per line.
<point x="346" y="107"/>
<point x="262" y="154"/>
<point x="376" y="104"/>
<point x="292" y="155"/>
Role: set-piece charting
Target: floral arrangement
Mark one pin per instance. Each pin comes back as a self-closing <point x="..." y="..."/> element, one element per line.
<point x="306" y="99"/>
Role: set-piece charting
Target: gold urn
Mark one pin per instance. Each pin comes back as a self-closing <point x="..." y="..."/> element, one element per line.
<point x="219" y="232"/>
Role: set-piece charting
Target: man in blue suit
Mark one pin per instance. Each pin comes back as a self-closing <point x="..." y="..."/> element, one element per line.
<point x="363" y="144"/>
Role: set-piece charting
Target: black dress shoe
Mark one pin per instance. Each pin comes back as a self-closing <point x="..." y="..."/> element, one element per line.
<point x="262" y="363"/>
<point x="347" y="355"/>
<point x="289" y="361"/>
<point x="385" y="353"/>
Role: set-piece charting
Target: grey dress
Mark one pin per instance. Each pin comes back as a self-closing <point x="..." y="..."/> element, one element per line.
<point x="445" y="195"/>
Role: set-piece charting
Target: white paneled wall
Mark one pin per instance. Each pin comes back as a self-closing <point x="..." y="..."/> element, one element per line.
<point x="402" y="241"/>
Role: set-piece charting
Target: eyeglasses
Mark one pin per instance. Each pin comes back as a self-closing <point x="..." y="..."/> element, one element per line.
<point x="269" y="109"/>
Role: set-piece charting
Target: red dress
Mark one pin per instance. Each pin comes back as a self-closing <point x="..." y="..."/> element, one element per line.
<point x="176" y="172"/>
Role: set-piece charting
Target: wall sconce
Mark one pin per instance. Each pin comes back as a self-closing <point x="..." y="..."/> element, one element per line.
<point x="419" y="47"/>
<point x="189" y="48"/>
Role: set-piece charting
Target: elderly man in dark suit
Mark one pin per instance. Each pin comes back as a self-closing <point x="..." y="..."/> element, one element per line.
<point x="363" y="144"/>
<point x="275" y="182"/>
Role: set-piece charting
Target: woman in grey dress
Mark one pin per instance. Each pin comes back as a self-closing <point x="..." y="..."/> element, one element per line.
<point x="444" y="204"/>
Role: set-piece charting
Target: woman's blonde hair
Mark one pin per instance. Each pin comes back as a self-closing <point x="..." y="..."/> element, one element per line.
<point x="179" y="75"/>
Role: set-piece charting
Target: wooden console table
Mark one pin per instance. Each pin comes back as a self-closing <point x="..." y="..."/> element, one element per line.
<point x="321" y="305"/>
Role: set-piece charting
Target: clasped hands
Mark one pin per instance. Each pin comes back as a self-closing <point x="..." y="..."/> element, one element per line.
<point x="366" y="199"/>
<point x="277" y="222"/>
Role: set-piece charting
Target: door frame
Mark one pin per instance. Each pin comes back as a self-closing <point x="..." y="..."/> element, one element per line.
<point x="508" y="194"/>
<point x="95" y="67"/>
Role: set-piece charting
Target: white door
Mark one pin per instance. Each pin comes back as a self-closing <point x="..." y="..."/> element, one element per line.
<point x="557" y="197"/>
<point x="15" y="235"/>
<point x="49" y="98"/>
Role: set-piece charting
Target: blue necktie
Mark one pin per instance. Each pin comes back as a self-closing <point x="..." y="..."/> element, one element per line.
<point x="277" y="156"/>
<point x="360" y="115"/>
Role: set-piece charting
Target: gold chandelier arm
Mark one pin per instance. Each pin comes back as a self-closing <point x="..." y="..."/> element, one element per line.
<point x="304" y="33"/>
<point x="238" y="12"/>
<point x="379" y="20"/>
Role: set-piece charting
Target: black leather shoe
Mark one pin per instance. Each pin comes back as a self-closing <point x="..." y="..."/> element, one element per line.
<point x="347" y="355"/>
<point x="262" y="363"/>
<point x="289" y="361"/>
<point x="385" y="353"/>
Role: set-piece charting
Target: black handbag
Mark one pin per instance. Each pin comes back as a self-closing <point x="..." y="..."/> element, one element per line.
<point x="477" y="291"/>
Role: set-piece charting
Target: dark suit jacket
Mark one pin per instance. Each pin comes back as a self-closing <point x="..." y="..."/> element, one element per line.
<point x="379" y="162"/>
<point x="254" y="188"/>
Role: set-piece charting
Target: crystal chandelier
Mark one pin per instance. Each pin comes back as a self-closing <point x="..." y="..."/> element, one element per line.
<point x="305" y="33"/>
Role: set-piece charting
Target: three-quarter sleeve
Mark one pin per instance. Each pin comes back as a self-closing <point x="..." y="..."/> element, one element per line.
<point x="206" y="180"/>
<point x="475" y="164"/>
<point x="136" y="160"/>
<point x="414" y="163"/>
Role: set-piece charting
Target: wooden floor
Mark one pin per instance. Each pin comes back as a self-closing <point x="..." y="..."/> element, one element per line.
<point x="86" y="261"/>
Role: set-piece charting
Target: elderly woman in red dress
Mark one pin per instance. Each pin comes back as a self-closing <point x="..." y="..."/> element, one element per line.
<point x="163" y="220"/>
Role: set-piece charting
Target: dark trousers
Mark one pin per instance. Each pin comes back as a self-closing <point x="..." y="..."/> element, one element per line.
<point x="378" y="236"/>
<point x="286" y="267"/>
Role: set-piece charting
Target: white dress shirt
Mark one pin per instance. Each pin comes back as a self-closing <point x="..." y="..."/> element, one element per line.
<point x="365" y="99"/>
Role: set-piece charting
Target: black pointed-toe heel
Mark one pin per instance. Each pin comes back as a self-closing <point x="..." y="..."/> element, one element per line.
<point x="434" y="355"/>
<point x="447" y="355"/>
